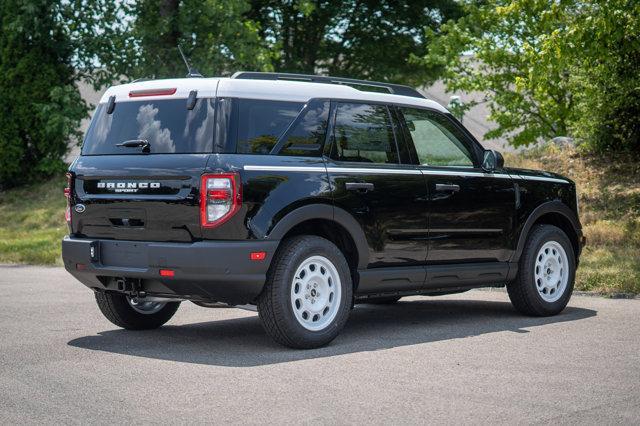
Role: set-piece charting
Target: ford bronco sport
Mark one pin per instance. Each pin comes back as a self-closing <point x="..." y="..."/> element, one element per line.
<point x="300" y="196"/>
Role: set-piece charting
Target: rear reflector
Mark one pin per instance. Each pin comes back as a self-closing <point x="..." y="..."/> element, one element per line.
<point x="151" y="92"/>
<point x="166" y="273"/>
<point x="258" y="255"/>
<point x="67" y="194"/>
<point x="81" y="267"/>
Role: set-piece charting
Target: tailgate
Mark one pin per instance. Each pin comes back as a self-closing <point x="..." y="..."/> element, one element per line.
<point x="138" y="197"/>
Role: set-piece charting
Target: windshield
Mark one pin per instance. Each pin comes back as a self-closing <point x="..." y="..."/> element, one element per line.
<point x="168" y="126"/>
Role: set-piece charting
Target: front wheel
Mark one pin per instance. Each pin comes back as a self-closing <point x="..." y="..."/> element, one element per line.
<point x="135" y="314"/>
<point x="546" y="273"/>
<point x="307" y="296"/>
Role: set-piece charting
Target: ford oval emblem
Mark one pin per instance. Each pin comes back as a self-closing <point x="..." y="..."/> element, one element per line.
<point x="80" y="208"/>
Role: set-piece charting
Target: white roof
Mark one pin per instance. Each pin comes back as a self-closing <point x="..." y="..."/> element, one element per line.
<point x="279" y="90"/>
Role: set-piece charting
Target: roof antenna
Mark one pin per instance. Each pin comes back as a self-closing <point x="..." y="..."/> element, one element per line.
<point x="191" y="72"/>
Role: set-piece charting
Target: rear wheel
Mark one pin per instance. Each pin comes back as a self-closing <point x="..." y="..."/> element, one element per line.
<point x="135" y="314"/>
<point x="546" y="273"/>
<point x="307" y="296"/>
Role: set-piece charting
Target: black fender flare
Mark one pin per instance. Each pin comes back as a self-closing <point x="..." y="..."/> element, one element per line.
<point x="555" y="206"/>
<point x="327" y="212"/>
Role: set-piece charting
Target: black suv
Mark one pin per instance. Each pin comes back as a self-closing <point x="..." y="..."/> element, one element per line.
<point x="302" y="196"/>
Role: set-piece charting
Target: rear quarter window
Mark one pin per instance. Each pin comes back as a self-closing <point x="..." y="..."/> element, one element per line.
<point x="260" y="123"/>
<point x="167" y="125"/>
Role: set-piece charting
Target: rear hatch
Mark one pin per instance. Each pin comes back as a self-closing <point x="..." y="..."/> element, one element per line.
<point x="139" y="172"/>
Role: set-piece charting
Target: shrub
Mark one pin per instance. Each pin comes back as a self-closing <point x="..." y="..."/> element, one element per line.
<point x="41" y="108"/>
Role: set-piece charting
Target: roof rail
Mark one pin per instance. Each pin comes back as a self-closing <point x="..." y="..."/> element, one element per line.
<point x="396" y="89"/>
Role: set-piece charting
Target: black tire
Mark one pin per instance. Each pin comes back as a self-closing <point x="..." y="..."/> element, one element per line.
<point x="523" y="291"/>
<point x="116" y="308"/>
<point x="383" y="300"/>
<point x="275" y="305"/>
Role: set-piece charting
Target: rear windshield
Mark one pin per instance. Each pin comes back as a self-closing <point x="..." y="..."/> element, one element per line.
<point x="167" y="125"/>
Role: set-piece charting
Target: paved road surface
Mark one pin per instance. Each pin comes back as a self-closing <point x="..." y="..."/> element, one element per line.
<point x="463" y="358"/>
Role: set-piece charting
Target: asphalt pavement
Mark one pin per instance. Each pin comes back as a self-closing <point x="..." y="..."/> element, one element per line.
<point x="466" y="358"/>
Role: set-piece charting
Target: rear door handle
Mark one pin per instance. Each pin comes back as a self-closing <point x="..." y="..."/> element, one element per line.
<point x="359" y="186"/>
<point x="447" y="187"/>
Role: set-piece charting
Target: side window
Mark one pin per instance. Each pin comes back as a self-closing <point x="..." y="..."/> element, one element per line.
<point x="261" y="123"/>
<point x="436" y="140"/>
<point x="363" y="133"/>
<point x="306" y="136"/>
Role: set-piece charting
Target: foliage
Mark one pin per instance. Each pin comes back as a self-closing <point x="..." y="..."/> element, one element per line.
<point x="41" y="108"/>
<point x="367" y="39"/>
<point x="605" y="46"/>
<point x="358" y="39"/>
<point x="548" y="67"/>
<point x="129" y="40"/>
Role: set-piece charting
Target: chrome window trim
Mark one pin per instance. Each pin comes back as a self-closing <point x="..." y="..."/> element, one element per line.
<point x="373" y="170"/>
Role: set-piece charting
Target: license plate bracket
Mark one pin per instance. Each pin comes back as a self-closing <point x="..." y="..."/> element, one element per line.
<point x="123" y="254"/>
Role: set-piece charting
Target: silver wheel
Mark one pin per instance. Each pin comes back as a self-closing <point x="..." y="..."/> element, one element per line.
<point x="316" y="293"/>
<point x="145" y="307"/>
<point x="551" y="271"/>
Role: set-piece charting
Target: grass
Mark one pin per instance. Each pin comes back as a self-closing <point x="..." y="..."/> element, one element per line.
<point x="609" y="198"/>
<point x="32" y="223"/>
<point x="32" y="218"/>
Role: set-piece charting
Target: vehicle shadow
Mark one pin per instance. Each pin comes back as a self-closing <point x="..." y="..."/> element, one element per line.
<point x="242" y="342"/>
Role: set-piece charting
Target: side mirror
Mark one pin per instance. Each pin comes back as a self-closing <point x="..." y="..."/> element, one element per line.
<point x="492" y="160"/>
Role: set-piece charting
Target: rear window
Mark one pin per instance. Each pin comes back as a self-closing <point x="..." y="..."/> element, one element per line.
<point x="167" y="125"/>
<point x="363" y="133"/>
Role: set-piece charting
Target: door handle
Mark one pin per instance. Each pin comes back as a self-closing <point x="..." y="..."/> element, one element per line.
<point x="447" y="187"/>
<point x="359" y="186"/>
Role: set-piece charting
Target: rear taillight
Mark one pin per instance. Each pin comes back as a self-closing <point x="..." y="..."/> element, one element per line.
<point x="67" y="194"/>
<point x="220" y="198"/>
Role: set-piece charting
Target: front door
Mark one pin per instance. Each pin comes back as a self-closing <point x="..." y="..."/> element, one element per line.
<point x="387" y="198"/>
<point x="471" y="212"/>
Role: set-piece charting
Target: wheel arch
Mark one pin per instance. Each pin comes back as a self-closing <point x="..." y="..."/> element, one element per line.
<point x="332" y="223"/>
<point x="551" y="213"/>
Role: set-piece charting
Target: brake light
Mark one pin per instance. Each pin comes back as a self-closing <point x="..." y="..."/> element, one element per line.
<point x="151" y="92"/>
<point x="220" y="198"/>
<point x="67" y="194"/>
<point x="169" y="273"/>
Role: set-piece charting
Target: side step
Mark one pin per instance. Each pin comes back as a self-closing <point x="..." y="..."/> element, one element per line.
<point x="432" y="279"/>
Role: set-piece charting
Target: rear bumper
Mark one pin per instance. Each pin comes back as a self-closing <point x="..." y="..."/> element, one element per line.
<point x="208" y="270"/>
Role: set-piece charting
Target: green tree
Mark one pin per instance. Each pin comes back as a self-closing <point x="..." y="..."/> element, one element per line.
<point x="604" y="46"/>
<point x="41" y="107"/>
<point x="548" y="68"/>
<point x="496" y="49"/>
<point x="358" y="38"/>
<point x="128" y="40"/>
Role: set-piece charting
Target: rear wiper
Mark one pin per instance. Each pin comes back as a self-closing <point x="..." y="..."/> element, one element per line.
<point x="134" y="143"/>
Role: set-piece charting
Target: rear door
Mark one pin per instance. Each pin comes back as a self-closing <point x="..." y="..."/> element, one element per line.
<point x="139" y="172"/>
<point x="370" y="182"/>
<point x="471" y="212"/>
